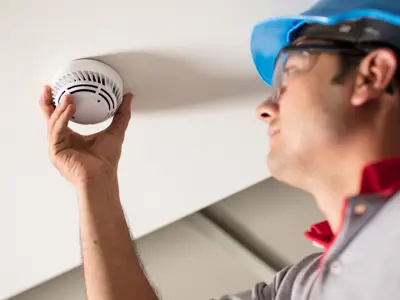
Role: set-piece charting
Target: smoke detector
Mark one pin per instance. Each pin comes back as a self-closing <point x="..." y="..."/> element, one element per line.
<point x="97" y="89"/>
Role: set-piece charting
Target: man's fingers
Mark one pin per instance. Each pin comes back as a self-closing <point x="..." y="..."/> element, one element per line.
<point x="122" y="117"/>
<point x="58" y="123"/>
<point x="45" y="102"/>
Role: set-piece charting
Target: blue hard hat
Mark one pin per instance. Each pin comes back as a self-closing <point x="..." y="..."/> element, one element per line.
<point x="271" y="35"/>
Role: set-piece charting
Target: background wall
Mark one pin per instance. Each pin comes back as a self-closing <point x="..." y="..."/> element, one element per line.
<point x="270" y="217"/>
<point x="187" y="260"/>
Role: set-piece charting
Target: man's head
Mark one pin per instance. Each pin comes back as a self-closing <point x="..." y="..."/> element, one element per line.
<point x="329" y="97"/>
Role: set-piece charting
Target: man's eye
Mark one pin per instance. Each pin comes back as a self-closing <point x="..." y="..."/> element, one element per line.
<point x="287" y="73"/>
<point x="289" y="70"/>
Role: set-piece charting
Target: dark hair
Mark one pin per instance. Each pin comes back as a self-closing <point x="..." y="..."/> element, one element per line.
<point x="347" y="63"/>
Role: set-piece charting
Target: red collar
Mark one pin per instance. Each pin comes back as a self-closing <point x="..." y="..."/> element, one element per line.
<point x="381" y="178"/>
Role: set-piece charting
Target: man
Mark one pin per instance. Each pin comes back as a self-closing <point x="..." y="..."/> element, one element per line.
<point x="334" y="119"/>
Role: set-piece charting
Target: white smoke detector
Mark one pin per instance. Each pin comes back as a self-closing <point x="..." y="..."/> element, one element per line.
<point x="97" y="89"/>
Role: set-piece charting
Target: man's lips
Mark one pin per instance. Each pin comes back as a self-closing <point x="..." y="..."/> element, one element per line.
<point x="272" y="132"/>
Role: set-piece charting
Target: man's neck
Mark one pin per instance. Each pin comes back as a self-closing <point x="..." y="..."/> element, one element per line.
<point x="340" y="180"/>
<point x="331" y="190"/>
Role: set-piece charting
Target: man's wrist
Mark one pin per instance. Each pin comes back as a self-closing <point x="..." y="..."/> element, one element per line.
<point x="104" y="185"/>
<point x="105" y="178"/>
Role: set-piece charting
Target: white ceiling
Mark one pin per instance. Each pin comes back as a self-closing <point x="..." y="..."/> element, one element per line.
<point x="193" y="139"/>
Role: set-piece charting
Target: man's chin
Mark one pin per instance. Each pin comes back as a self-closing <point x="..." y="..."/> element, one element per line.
<point x="276" y="164"/>
<point x="272" y="162"/>
<point x="284" y="168"/>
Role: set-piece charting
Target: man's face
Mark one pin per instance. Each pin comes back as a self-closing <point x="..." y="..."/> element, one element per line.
<point x="309" y="116"/>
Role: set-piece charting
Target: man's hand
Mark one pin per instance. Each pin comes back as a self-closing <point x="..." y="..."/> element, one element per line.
<point x="81" y="158"/>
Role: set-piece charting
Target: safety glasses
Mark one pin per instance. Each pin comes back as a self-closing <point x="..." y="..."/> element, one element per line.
<point x="294" y="60"/>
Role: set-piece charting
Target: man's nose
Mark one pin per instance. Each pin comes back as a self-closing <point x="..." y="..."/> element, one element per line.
<point x="268" y="110"/>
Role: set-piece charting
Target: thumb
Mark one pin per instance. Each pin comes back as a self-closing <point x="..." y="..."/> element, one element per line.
<point x="122" y="117"/>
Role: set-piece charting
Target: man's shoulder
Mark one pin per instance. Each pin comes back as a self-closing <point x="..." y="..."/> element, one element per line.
<point x="289" y="283"/>
<point x="298" y="278"/>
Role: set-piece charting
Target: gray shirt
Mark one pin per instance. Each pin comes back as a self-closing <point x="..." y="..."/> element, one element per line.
<point x="362" y="261"/>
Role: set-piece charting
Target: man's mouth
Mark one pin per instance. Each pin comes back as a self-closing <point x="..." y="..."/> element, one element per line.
<point x="272" y="132"/>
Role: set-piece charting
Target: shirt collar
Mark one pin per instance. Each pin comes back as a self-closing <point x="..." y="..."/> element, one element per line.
<point x="382" y="178"/>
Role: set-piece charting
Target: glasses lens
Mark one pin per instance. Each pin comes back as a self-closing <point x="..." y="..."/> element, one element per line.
<point x="288" y="65"/>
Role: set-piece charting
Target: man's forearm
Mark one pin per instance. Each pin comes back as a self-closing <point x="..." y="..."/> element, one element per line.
<point x="111" y="267"/>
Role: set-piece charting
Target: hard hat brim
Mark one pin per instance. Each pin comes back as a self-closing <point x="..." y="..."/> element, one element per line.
<point x="270" y="36"/>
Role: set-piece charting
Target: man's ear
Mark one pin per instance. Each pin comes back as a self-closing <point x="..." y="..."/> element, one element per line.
<point x="375" y="73"/>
